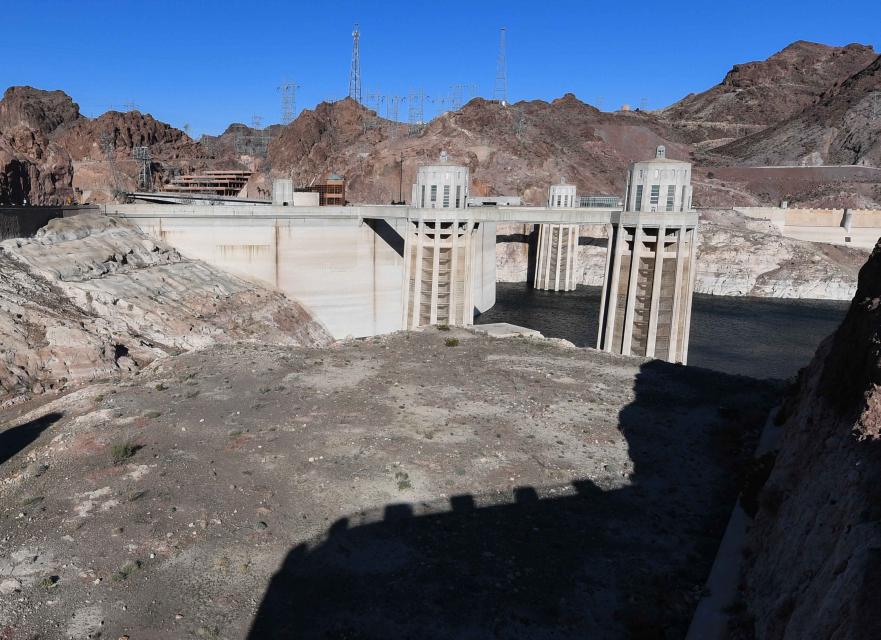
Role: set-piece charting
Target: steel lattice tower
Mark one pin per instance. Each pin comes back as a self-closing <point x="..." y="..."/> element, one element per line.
<point x="288" y="101"/>
<point x="500" y="90"/>
<point x="145" y="174"/>
<point x="355" y="72"/>
<point x="416" y="111"/>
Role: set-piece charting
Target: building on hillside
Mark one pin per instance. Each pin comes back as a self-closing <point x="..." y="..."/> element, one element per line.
<point x="219" y="182"/>
<point x="331" y="192"/>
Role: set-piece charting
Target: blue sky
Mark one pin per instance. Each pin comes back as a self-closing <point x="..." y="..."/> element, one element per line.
<point x="207" y="64"/>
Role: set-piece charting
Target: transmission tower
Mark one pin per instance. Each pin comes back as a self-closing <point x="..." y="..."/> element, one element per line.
<point x="130" y="106"/>
<point x="500" y="90"/>
<point x="355" y="72"/>
<point x="519" y="122"/>
<point x="416" y="111"/>
<point x="254" y="143"/>
<point x="374" y="102"/>
<point x="145" y="174"/>
<point x="108" y="145"/>
<point x="461" y="94"/>
<point x="392" y="107"/>
<point x="288" y="101"/>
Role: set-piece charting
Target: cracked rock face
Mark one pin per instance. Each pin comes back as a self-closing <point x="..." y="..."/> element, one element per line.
<point x="813" y="561"/>
<point x="90" y="297"/>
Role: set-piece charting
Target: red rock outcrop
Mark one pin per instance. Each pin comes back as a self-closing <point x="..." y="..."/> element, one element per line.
<point x="843" y="127"/>
<point x="814" y="550"/>
<point x="512" y="149"/>
<point x="33" y="169"/>
<point x="756" y="95"/>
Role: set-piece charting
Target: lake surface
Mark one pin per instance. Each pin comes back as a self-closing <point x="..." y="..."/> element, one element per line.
<point x="758" y="337"/>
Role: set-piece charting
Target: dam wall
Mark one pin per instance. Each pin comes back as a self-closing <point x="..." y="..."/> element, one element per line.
<point x="347" y="270"/>
<point x="858" y="228"/>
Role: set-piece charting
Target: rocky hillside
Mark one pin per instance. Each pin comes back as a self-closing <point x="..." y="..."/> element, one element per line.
<point x="843" y="127"/>
<point x="512" y="149"/>
<point x="814" y="549"/>
<point x="756" y="95"/>
<point x="33" y="167"/>
<point x="50" y="153"/>
<point x="91" y="296"/>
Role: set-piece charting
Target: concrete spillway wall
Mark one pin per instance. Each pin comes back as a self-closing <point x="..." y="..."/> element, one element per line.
<point x="348" y="272"/>
<point x="859" y="228"/>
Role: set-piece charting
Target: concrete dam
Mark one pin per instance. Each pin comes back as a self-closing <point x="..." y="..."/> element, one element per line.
<point x="366" y="270"/>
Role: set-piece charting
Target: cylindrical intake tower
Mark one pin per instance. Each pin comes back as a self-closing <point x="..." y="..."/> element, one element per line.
<point x="557" y="249"/>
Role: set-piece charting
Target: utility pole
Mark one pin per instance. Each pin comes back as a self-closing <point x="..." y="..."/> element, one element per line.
<point x="355" y="72"/>
<point x="288" y="101"/>
<point x="500" y="90"/>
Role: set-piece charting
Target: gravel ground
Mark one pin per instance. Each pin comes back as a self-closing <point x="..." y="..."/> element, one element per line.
<point x="438" y="484"/>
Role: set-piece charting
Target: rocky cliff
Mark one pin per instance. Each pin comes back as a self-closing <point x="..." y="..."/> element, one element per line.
<point x="756" y="95"/>
<point x="33" y="168"/>
<point x="90" y="297"/>
<point x="843" y="127"/>
<point x="814" y="550"/>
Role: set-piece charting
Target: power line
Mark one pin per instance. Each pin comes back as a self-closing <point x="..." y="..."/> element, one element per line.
<point x="500" y="90"/>
<point x="355" y="72"/>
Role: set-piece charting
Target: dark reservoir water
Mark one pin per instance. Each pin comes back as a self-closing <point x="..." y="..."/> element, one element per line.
<point x="758" y="337"/>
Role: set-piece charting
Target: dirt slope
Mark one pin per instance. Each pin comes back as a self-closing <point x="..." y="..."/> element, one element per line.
<point x="373" y="490"/>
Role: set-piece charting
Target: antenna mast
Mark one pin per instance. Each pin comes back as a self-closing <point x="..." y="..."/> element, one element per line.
<point x="355" y="72"/>
<point x="500" y="90"/>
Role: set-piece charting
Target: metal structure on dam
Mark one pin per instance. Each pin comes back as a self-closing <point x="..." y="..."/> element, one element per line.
<point x="365" y="270"/>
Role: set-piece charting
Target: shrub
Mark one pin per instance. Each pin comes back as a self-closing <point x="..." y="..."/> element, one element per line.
<point x="122" y="451"/>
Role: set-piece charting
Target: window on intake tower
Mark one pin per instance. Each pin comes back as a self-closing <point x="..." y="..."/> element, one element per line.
<point x="433" y="197"/>
<point x="655" y="196"/>
<point x="446" y="203"/>
<point x="638" y="204"/>
<point x="671" y="196"/>
<point x="458" y="195"/>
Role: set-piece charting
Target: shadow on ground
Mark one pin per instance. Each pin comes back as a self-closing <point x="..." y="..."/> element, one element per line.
<point x="627" y="561"/>
<point x="15" y="439"/>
